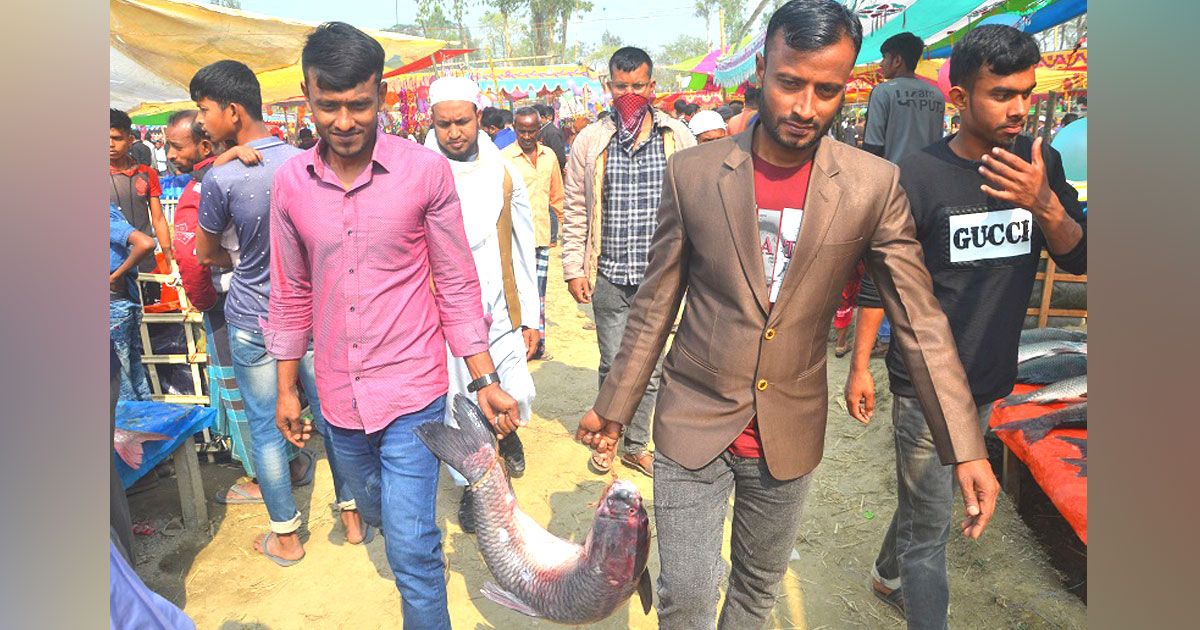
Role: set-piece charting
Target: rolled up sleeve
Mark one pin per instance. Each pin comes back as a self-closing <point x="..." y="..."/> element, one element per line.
<point x="289" y="322"/>
<point x="456" y="283"/>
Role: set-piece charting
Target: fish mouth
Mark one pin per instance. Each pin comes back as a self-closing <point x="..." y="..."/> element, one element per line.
<point x="621" y="500"/>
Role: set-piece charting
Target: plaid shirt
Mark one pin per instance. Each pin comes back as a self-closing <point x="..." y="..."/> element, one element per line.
<point x="632" y="190"/>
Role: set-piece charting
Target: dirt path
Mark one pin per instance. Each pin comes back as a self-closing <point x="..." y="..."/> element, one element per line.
<point x="1001" y="581"/>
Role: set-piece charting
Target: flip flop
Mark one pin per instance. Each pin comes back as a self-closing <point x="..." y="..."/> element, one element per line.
<point x="841" y="352"/>
<point x="283" y="562"/>
<point x="600" y="467"/>
<point x="243" y="498"/>
<point x="634" y="461"/>
<point x="368" y="535"/>
<point x="895" y="599"/>
<point x="309" y="472"/>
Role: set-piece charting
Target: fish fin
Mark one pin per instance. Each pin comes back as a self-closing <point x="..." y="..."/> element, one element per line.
<point x="130" y="453"/>
<point x="506" y="599"/>
<point x="645" y="592"/>
<point x="455" y="445"/>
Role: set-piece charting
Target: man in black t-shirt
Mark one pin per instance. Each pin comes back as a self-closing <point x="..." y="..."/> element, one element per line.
<point x="985" y="202"/>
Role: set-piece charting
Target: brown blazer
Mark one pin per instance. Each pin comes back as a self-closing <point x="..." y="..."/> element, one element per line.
<point x="731" y="359"/>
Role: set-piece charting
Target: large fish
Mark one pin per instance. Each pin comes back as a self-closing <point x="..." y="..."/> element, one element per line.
<point x="1071" y="390"/>
<point x="1052" y="368"/>
<point x="1081" y="461"/>
<point x="128" y="445"/>
<point x="1030" y="351"/>
<point x="1035" y="335"/>
<point x="538" y="573"/>
<point x="1036" y="428"/>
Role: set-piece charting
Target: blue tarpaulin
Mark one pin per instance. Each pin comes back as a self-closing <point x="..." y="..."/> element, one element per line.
<point x="180" y="422"/>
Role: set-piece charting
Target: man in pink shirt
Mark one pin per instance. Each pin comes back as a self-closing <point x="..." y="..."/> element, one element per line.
<point x="369" y="258"/>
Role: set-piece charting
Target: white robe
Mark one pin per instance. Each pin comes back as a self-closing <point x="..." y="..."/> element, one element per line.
<point x="480" y="186"/>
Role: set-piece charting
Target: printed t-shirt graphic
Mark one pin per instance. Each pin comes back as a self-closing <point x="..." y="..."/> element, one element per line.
<point x="779" y="193"/>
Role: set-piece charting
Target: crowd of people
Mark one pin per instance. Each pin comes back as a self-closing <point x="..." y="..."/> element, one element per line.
<point x="373" y="277"/>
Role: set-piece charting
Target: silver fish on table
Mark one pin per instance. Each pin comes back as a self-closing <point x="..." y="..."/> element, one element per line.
<point x="1035" y="335"/>
<point x="128" y="445"/>
<point x="1052" y="368"/>
<point x="1071" y="390"/>
<point x="1030" y="351"/>
<point x="1081" y="461"/>
<point x="1034" y="429"/>
<point x="538" y="573"/>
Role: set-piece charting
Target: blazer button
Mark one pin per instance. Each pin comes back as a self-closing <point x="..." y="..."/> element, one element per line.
<point x="762" y="384"/>
<point x="770" y="334"/>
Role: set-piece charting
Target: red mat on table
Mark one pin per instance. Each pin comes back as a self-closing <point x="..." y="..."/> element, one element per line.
<point x="1061" y="481"/>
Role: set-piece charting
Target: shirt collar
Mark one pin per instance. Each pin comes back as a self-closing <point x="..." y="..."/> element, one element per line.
<point x="385" y="155"/>
<point x="265" y="143"/>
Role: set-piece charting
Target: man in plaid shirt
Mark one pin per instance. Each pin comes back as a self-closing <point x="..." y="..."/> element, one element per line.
<point x="613" y="186"/>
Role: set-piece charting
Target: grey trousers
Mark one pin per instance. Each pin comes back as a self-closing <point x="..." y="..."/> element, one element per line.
<point x="689" y="515"/>
<point x="610" y="303"/>
<point x="913" y="555"/>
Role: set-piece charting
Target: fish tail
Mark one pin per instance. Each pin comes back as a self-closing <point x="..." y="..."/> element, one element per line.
<point x="455" y="446"/>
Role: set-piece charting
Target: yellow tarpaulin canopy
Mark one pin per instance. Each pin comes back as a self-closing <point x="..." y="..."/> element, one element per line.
<point x="866" y="77"/>
<point x="172" y="39"/>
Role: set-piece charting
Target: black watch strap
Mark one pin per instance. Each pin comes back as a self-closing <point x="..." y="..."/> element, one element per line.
<point x="483" y="381"/>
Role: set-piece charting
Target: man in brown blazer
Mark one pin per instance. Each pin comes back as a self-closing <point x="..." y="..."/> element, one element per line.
<point x="743" y="399"/>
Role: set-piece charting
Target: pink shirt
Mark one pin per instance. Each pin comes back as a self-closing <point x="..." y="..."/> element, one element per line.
<point x="357" y="264"/>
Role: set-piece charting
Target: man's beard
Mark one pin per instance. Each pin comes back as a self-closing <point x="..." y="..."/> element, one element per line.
<point x="773" y="131"/>
<point x="467" y="153"/>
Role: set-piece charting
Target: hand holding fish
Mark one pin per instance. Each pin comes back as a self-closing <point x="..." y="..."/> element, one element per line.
<point x="1023" y="184"/>
<point x="499" y="408"/>
<point x="597" y="433"/>
<point x="980" y="489"/>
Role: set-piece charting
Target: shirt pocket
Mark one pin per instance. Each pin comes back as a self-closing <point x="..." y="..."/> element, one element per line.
<point x="391" y="240"/>
<point x="841" y="249"/>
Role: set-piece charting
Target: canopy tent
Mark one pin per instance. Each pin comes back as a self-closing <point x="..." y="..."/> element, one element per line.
<point x="429" y="60"/>
<point x="145" y="71"/>
<point x="1061" y="71"/>
<point x="1036" y="16"/>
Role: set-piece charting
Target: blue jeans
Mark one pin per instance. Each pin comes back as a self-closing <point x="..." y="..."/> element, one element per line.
<point x="258" y="381"/>
<point x="913" y="555"/>
<point x="394" y="477"/>
<point x="124" y="328"/>
<point x="885" y="331"/>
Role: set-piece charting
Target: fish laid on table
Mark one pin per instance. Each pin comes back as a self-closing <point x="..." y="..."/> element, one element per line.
<point x="1034" y="429"/>
<point x="1052" y="368"/>
<point x="129" y="445"/>
<point x="1030" y="351"/>
<point x="538" y="573"/>
<point x="1080" y="461"/>
<point x="1071" y="390"/>
<point x="1035" y="335"/>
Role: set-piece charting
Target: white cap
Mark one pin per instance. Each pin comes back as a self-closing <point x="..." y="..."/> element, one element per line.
<point x="453" y="89"/>
<point x="707" y="120"/>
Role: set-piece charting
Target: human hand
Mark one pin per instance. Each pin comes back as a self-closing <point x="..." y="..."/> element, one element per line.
<point x="287" y="419"/>
<point x="597" y="433"/>
<point x="246" y="155"/>
<point x="860" y="395"/>
<point x="980" y="489"/>
<point x="499" y="408"/>
<point x="581" y="290"/>
<point x="1023" y="184"/>
<point x="532" y="337"/>
<point x="114" y="283"/>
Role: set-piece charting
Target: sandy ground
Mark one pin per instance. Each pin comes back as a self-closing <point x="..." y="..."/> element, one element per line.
<point x="1003" y="580"/>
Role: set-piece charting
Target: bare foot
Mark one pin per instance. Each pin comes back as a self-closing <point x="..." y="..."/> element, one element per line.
<point x="286" y="546"/>
<point x="354" y="526"/>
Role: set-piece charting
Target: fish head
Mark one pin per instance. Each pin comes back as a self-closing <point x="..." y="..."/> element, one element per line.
<point x="620" y="537"/>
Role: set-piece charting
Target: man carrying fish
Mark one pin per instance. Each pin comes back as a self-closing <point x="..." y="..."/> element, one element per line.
<point x="761" y="230"/>
<point x="985" y="202"/>
<point x="360" y="224"/>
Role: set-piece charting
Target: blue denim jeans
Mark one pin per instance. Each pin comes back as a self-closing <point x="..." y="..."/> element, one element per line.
<point x="885" y="331"/>
<point x="394" y="477"/>
<point x="124" y="322"/>
<point x="913" y="555"/>
<point x="258" y="381"/>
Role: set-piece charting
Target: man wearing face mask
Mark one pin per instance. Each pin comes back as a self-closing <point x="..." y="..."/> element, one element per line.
<point x="613" y="186"/>
<point x="499" y="227"/>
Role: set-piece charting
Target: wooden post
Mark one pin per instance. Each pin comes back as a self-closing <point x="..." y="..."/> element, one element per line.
<point x="1051" y="103"/>
<point x="1011" y="472"/>
<point x="191" y="487"/>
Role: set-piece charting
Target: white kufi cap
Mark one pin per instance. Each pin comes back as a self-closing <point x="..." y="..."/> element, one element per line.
<point x="453" y="89"/>
<point x="707" y="120"/>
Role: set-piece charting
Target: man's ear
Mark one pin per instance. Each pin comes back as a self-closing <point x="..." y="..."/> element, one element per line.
<point x="958" y="97"/>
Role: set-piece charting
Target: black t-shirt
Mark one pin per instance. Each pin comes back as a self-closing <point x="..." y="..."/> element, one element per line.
<point x="552" y="137"/>
<point x="982" y="254"/>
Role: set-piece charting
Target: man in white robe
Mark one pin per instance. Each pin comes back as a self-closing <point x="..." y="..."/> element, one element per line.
<point x="488" y="187"/>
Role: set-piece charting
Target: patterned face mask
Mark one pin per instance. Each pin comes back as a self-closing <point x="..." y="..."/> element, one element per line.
<point x="631" y="108"/>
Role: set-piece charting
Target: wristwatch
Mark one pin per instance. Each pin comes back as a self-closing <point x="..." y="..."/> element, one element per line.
<point x="483" y="381"/>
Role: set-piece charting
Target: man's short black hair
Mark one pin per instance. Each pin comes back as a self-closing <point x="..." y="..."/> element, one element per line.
<point x="341" y="57"/>
<point x="604" y="113"/>
<point x="508" y="116"/>
<point x="628" y="59"/>
<point x="188" y="115"/>
<point x="808" y="25"/>
<point x="526" y="111"/>
<point x="1003" y="49"/>
<point x="693" y="109"/>
<point x="737" y="107"/>
<point x="679" y="105"/>
<point x="491" y="117"/>
<point x="305" y="133"/>
<point x="726" y="112"/>
<point x="905" y="46"/>
<point x="752" y="95"/>
<point x="119" y="120"/>
<point x="228" y="81"/>
<point x="543" y="110"/>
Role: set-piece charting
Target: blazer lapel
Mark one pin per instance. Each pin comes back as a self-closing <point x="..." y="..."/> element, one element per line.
<point x="820" y="207"/>
<point x="737" y="195"/>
